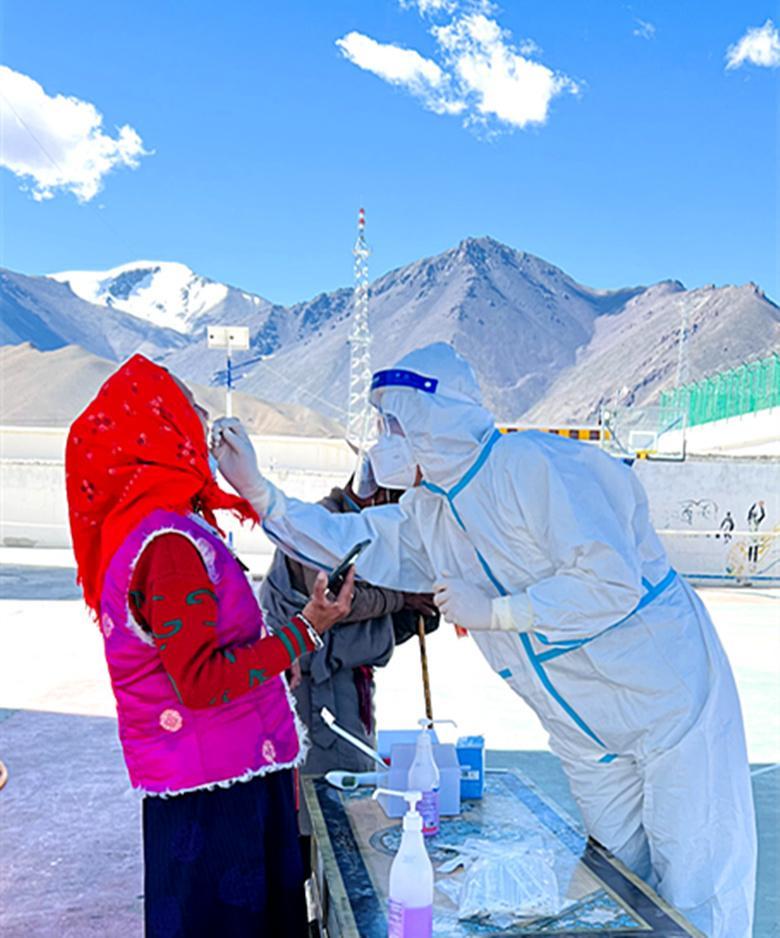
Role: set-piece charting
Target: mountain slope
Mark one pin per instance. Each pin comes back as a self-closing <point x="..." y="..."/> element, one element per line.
<point x="73" y="376"/>
<point x="634" y="355"/>
<point x="517" y="318"/>
<point x="544" y="346"/>
<point x="49" y="316"/>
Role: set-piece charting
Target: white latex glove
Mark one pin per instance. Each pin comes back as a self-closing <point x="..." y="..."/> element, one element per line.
<point x="233" y="450"/>
<point x="464" y="604"/>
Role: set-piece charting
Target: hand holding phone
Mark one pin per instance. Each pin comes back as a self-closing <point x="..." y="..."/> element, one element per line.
<point x="324" y="612"/>
<point x="336" y="578"/>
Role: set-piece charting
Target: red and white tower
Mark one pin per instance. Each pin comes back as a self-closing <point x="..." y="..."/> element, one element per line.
<point x="359" y="409"/>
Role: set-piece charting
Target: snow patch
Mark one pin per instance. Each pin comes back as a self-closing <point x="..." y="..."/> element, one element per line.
<point x="163" y="293"/>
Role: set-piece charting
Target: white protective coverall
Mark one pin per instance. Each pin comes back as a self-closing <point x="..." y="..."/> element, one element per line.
<point x="615" y="653"/>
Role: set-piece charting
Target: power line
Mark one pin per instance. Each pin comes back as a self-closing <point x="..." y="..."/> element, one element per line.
<point x="291" y="381"/>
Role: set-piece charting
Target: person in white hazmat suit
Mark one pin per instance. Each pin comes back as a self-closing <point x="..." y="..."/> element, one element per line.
<point x="543" y="548"/>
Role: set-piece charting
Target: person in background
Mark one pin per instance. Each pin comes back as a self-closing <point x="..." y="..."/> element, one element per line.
<point x="340" y="675"/>
<point x="755" y="516"/>
<point x="208" y="732"/>
<point x="727" y="526"/>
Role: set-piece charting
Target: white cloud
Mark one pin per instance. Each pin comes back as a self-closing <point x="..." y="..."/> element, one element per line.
<point x="58" y="143"/>
<point x="643" y="29"/>
<point x="404" y="67"/>
<point x="760" y="46"/>
<point x="430" y="6"/>
<point x="528" y="47"/>
<point x="393" y="63"/>
<point x="479" y="73"/>
<point x="495" y="78"/>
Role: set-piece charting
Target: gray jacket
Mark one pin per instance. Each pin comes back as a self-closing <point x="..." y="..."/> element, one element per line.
<point x="363" y="638"/>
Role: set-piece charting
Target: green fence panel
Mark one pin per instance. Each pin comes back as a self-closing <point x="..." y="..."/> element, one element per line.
<point x="745" y="389"/>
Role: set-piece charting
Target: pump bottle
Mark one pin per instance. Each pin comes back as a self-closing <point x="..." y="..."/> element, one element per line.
<point x="424" y="777"/>
<point x="410" y="909"/>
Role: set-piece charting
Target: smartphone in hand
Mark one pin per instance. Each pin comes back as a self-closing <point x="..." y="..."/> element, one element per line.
<point x="336" y="578"/>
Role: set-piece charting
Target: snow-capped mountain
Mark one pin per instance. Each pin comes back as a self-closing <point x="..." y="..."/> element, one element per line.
<point x="49" y="315"/>
<point x="544" y="346"/>
<point x="163" y="293"/>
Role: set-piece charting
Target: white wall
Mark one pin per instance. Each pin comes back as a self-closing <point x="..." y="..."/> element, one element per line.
<point x="688" y="500"/>
<point x="33" y="510"/>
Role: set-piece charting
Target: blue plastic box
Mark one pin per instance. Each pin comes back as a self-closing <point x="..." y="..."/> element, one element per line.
<point x="471" y="756"/>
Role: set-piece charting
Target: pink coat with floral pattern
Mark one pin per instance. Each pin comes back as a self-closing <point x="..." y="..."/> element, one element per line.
<point x="168" y="747"/>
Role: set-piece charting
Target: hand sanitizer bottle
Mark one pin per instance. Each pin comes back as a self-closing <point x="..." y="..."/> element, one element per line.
<point x="410" y="909"/>
<point x="424" y="777"/>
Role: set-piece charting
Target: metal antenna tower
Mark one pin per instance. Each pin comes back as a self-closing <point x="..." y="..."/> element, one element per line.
<point x="358" y="417"/>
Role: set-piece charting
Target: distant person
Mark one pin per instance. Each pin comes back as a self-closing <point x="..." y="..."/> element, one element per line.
<point x="755" y="516"/>
<point x="727" y="526"/>
<point x="207" y="731"/>
<point x="544" y="549"/>
<point x="340" y="675"/>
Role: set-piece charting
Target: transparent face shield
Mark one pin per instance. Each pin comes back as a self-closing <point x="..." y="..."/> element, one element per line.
<point x="364" y="484"/>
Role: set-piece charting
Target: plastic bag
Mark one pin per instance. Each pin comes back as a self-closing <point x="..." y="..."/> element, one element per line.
<point x="505" y="882"/>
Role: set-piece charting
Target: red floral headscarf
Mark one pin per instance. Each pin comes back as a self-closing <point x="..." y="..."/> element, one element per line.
<point x="137" y="447"/>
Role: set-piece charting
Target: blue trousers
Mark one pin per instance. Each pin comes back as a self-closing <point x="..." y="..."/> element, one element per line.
<point x="224" y="863"/>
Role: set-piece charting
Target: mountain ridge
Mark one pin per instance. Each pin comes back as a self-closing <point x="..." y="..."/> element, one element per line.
<point x="543" y="345"/>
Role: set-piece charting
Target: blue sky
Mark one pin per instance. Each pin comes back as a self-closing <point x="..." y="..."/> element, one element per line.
<point x="264" y="139"/>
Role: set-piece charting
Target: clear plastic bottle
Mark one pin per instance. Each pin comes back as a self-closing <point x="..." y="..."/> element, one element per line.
<point x="424" y="777"/>
<point x="410" y="908"/>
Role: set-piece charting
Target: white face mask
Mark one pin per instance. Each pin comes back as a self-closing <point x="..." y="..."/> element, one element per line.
<point x="393" y="462"/>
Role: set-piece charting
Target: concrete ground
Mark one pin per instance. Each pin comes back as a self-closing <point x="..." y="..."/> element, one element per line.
<point x="70" y="825"/>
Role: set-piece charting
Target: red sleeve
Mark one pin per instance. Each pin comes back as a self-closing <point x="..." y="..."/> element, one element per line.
<point x="173" y="598"/>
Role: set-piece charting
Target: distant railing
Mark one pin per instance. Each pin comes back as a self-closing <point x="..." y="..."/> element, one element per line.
<point x="746" y="389"/>
<point x="590" y="434"/>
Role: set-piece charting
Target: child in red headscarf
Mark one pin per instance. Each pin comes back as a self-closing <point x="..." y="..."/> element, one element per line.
<point x="203" y="708"/>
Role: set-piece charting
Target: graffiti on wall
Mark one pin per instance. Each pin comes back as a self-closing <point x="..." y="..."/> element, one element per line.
<point x="747" y="543"/>
<point x="748" y="555"/>
<point x="692" y="509"/>
<point x="711" y="519"/>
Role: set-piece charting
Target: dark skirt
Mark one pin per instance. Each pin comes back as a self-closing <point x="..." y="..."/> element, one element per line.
<point x="224" y="863"/>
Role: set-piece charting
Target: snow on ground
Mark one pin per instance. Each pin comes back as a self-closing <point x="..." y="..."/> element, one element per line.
<point x="53" y="660"/>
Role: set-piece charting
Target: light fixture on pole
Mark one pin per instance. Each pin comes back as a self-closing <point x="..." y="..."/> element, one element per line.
<point x="230" y="338"/>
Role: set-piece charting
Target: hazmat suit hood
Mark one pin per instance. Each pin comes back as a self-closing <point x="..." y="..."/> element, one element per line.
<point x="441" y="415"/>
